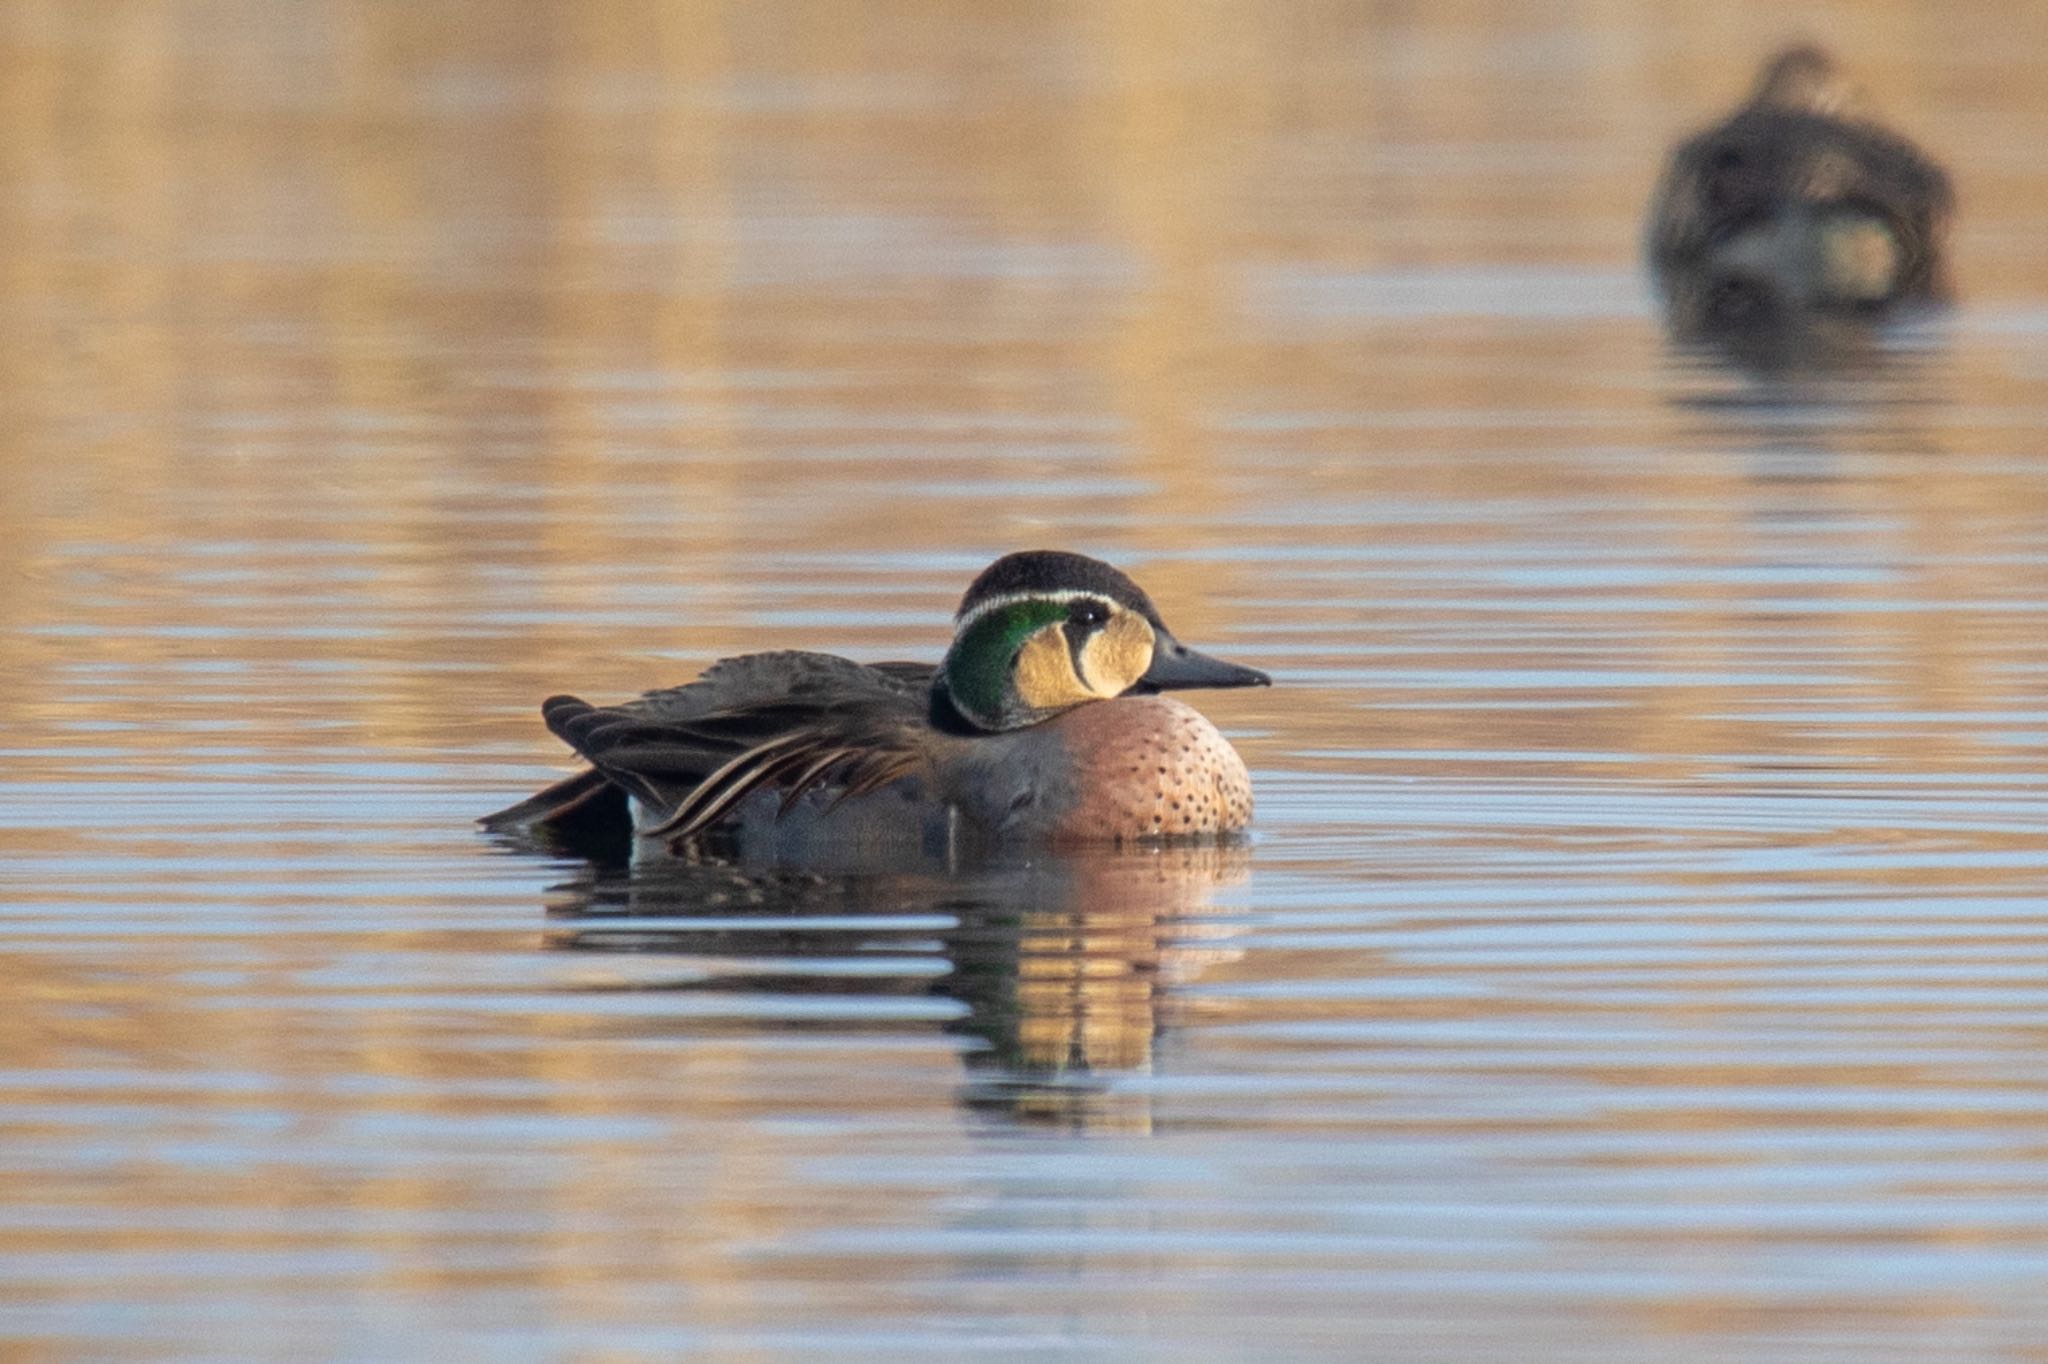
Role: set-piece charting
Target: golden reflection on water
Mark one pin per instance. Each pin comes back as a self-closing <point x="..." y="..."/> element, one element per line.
<point x="1644" y="929"/>
<point x="480" y="278"/>
<point x="1061" y="966"/>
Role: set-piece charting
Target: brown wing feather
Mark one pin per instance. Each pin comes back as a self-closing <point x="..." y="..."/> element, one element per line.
<point x="799" y="763"/>
<point x="719" y="791"/>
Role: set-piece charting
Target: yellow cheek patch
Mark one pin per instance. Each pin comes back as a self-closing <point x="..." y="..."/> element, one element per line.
<point x="1045" y="672"/>
<point x="1118" y="654"/>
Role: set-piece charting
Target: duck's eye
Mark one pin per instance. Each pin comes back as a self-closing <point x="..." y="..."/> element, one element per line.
<point x="1087" y="611"/>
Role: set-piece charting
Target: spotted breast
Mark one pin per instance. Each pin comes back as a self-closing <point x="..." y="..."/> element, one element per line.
<point x="1134" y="768"/>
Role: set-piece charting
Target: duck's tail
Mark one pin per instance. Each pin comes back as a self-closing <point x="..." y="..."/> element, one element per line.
<point x="577" y="810"/>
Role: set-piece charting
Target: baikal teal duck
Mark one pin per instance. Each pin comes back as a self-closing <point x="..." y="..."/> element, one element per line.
<point x="1043" y="725"/>
<point x="1798" y="216"/>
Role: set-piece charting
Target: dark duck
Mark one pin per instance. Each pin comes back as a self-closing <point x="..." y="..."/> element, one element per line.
<point x="1798" y="217"/>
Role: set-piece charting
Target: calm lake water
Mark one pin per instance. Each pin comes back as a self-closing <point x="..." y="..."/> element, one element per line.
<point x="1643" y="951"/>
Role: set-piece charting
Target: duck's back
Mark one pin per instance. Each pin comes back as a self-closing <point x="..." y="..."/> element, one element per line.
<point x="651" y="755"/>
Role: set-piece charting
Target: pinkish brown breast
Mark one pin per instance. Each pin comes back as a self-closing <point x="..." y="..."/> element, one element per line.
<point x="1147" y="767"/>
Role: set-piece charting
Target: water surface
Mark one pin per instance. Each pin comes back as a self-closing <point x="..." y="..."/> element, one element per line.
<point x="1643" y="950"/>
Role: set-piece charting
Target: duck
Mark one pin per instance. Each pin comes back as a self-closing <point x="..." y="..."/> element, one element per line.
<point x="1045" y="724"/>
<point x="1798" y="211"/>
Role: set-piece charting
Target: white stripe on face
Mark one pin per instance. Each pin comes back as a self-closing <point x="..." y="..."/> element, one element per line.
<point x="982" y="608"/>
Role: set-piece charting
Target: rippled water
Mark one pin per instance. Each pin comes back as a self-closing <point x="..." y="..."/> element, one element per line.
<point x="1643" y="951"/>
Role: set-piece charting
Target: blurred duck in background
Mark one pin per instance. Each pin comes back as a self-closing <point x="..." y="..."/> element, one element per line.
<point x="1798" y="221"/>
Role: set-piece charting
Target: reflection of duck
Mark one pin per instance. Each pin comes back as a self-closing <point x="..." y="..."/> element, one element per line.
<point x="1796" y="220"/>
<point x="1076" y="987"/>
<point x="1059" y="963"/>
<point x="1041" y="725"/>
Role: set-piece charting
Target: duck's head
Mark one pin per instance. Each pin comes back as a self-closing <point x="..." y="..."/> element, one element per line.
<point x="1043" y="631"/>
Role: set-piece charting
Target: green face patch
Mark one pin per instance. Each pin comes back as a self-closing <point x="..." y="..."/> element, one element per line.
<point x="978" y="666"/>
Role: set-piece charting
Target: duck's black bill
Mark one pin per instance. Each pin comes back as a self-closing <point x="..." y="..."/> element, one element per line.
<point x="1175" y="665"/>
